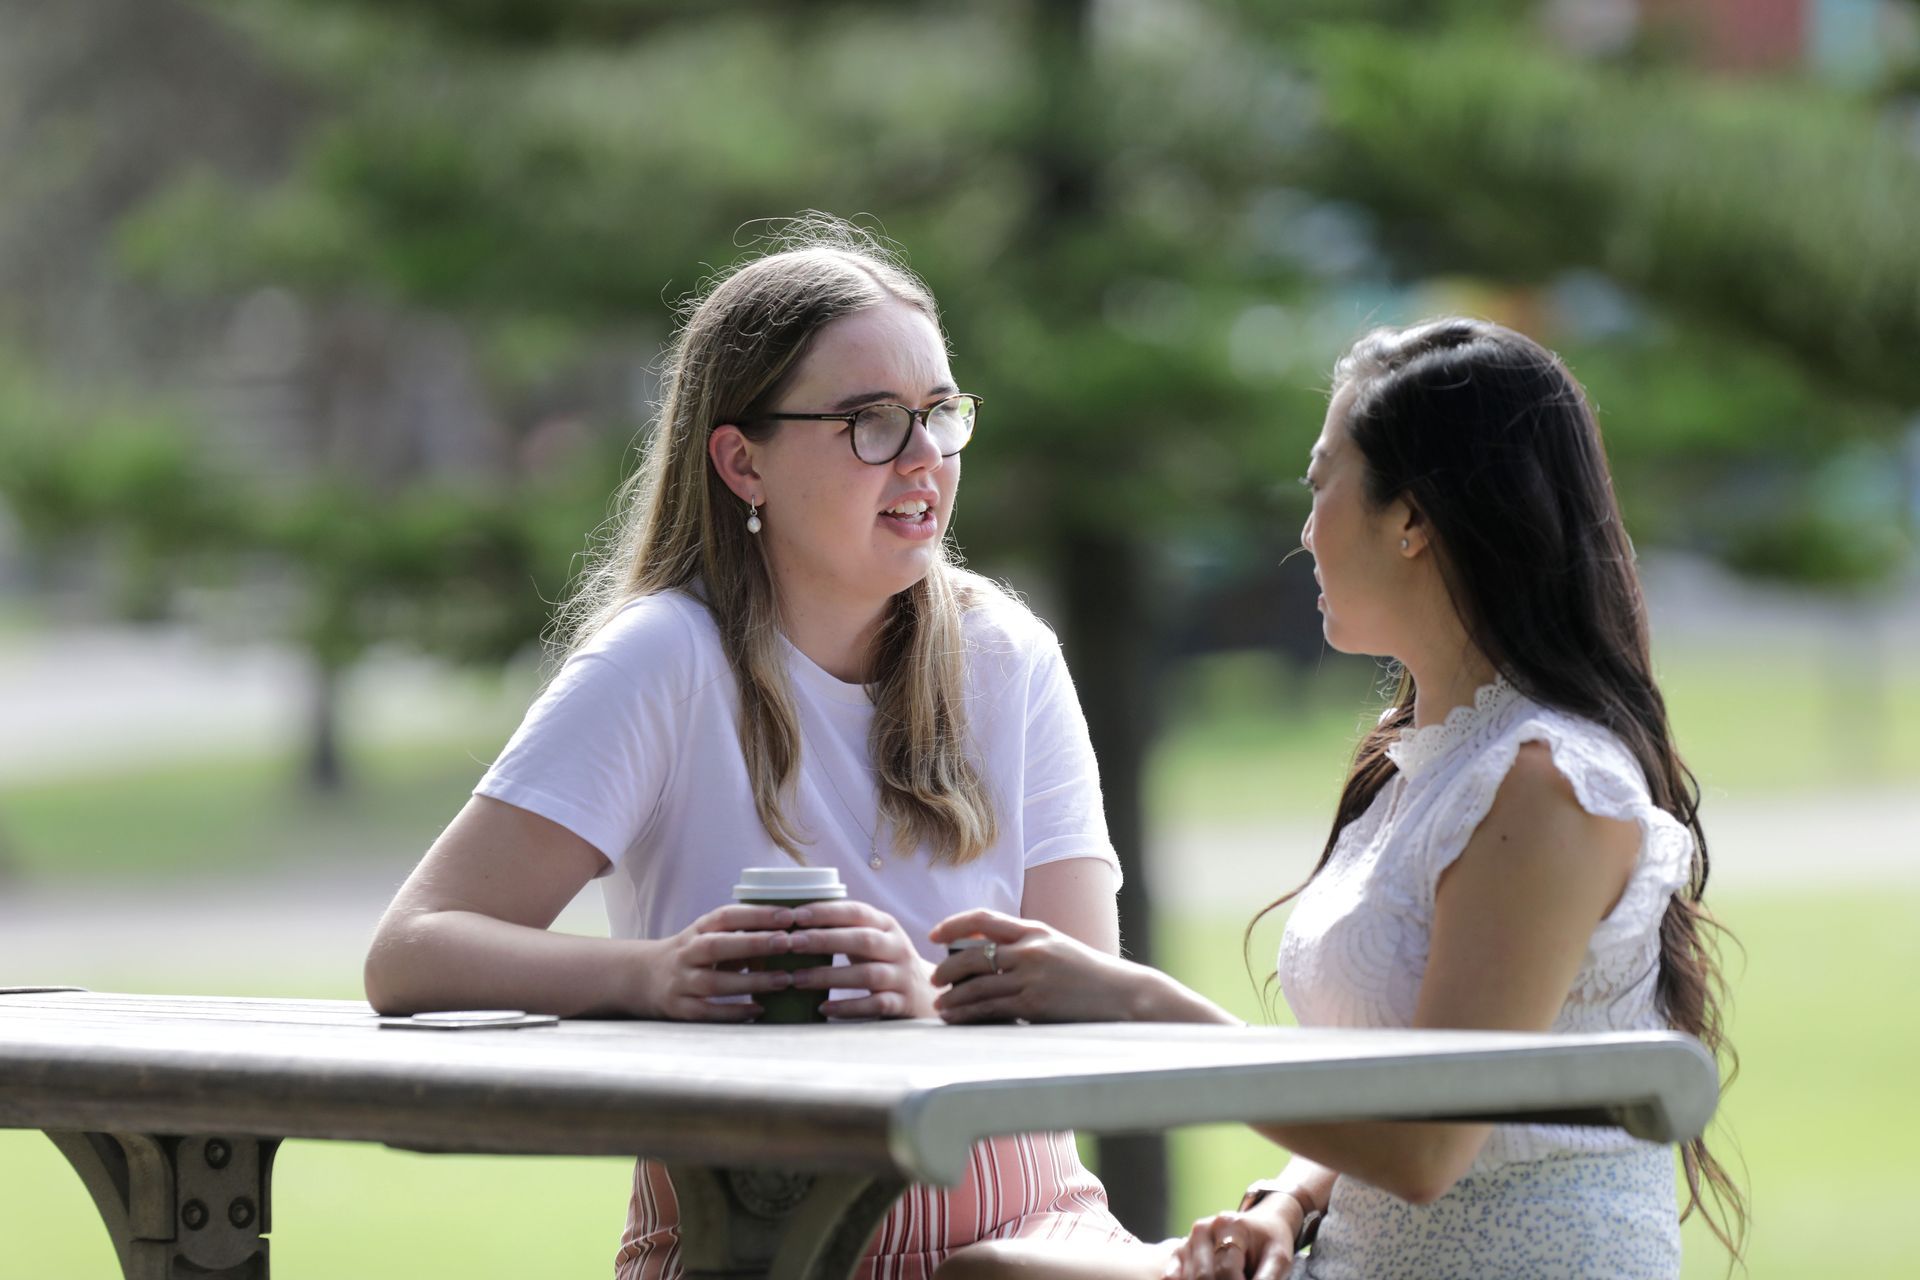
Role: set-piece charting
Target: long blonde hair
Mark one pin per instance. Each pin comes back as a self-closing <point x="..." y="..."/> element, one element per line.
<point x="678" y="527"/>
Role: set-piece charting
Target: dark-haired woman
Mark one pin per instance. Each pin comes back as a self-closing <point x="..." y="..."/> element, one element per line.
<point x="1517" y="847"/>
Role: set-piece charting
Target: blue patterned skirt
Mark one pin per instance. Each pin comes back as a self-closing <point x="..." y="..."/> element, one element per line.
<point x="1564" y="1218"/>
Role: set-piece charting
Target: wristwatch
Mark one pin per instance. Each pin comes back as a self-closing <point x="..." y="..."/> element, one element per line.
<point x="1309" y="1221"/>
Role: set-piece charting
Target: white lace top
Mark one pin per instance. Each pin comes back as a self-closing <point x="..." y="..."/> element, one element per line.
<point x="1355" y="947"/>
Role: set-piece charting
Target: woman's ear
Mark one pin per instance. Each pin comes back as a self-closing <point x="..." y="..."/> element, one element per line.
<point x="732" y="455"/>
<point x="1412" y="531"/>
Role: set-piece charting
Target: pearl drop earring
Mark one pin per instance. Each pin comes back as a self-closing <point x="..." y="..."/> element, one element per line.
<point x="753" y="518"/>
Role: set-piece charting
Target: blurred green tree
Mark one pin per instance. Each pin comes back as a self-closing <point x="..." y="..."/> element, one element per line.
<point x="1077" y="208"/>
<point x="1773" y="219"/>
<point x="462" y="570"/>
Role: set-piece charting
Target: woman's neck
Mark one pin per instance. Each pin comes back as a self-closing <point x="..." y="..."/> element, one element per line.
<point x="837" y="639"/>
<point x="1445" y="677"/>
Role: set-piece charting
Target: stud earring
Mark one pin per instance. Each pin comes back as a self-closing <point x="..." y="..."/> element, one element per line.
<point x="1404" y="544"/>
<point x="753" y="517"/>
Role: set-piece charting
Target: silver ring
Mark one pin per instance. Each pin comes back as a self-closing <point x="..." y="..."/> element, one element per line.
<point x="991" y="950"/>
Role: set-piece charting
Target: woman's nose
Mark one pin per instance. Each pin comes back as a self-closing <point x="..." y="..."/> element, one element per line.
<point x="921" y="453"/>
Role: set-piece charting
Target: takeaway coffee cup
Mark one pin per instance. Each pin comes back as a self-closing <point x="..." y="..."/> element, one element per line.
<point x="789" y="887"/>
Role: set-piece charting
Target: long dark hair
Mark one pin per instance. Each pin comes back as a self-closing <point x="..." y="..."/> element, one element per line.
<point x="1488" y="436"/>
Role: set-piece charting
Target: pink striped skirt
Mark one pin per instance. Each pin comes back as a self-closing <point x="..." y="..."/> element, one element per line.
<point x="1031" y="1187"/>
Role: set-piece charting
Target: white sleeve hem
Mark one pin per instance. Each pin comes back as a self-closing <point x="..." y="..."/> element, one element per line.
<point x="1065" y="848"/>
<point x="585" y="823"/>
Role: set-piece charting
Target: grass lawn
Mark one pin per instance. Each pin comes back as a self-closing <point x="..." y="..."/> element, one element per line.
<point x="1253" y="739"/>
<point x="217" y="815"/>
<point x="1252" y="742"/>
<point x="1818" y="1113"/>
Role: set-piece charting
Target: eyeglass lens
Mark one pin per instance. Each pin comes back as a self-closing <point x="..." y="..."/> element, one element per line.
<point x="880" y="433"/>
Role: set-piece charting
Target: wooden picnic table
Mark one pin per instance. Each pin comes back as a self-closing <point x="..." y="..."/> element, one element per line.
<point x="786" y="1145"/>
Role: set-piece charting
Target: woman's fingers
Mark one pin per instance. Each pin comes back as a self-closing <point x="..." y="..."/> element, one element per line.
<point x="966" y="967"/>
<point x="875" y="1004"/>
<point x="742" y="919"/>
<point x="850" y="977"/>
<point x="988" y="986"/>
<point x="704" y="950"/>
<point x="845" y="913"/>
<point x="1003" y="1009"/>
<point x="1216" y="1249"/>
<point x="1276" y="1263"/>
<point x="859" y="943"/>
<point x="1220" y="1246"/>
<point x="732" y="982"/>
<point x="694" y="1009"/>
<point x="1199" y="1259"/>
<point x="984" y="922"/>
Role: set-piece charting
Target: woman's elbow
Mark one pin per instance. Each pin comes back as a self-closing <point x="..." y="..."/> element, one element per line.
<point x="385" y="972"/>
<point x="1419" y="1188"/>
<point x="1431" y="1161"/>
<point x="1432" y="1172"/>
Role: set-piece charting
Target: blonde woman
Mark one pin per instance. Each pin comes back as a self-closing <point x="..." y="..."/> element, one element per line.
<point x="777" y="659"/>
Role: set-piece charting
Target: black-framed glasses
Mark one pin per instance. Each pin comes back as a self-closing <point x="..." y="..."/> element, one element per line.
<point x="879" y="432"/>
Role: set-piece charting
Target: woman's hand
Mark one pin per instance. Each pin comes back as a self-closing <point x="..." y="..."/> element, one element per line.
<point x="706" y="959"/>
<point x="1033" y="971"/>
<point x="1236" y="1246"/>
<point x="880" y="958"/>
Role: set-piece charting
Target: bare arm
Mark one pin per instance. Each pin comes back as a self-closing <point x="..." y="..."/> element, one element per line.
<point x="1077" y="897"/>
<point x="469" y="929"/>
<point x="1512" y="920"/>
<point x="1060" y="962"/>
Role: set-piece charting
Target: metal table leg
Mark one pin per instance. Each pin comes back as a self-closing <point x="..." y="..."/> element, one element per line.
<point x="179" y="1206"/>
<point x="740" y="1223"/>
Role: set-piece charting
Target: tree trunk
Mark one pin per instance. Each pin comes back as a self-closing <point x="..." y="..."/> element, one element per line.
<point x="1108" y="619"/>
<point x="325" y="771"/>
<point x="1109" y="641"/>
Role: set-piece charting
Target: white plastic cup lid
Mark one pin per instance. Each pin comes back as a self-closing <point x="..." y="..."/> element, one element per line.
<point x="801" y="884"/>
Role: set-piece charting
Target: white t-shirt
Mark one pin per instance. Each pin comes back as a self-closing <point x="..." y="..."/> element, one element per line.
<point x="635" y="748"/>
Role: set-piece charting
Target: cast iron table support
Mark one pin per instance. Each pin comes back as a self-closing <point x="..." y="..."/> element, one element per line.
<point x="201" y="1207"/>
<point x="179" y="1206"/>
<point x="741" y="1223"/>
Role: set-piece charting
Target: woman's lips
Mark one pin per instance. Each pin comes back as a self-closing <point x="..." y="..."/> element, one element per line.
<point x="915" y="528"/>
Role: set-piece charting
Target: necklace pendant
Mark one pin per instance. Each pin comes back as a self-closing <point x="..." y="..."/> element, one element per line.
<point x="874" y="862"/>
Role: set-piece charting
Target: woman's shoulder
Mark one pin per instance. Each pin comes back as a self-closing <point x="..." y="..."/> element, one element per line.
<point x="660" y="631"/>
<point x="1559" y="758"/>
<point x="1570" y="744"/>
<point x="995" y="619"/>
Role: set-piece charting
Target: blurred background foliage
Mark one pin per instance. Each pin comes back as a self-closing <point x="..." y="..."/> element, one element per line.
<point x="1151" y="224"/>
<point x="341" y="317"/>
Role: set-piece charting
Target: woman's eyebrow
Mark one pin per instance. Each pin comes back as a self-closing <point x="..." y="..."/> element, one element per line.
<point x="862" y="397"/>
<point x="891" y="397"/>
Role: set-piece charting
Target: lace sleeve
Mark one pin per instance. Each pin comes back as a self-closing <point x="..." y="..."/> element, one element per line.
<point x="1606" y="781"/>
